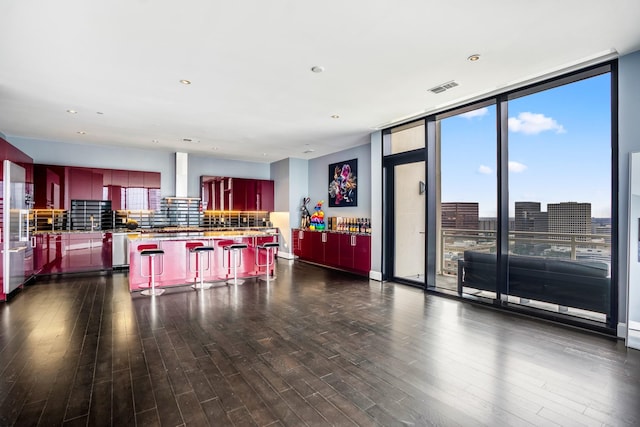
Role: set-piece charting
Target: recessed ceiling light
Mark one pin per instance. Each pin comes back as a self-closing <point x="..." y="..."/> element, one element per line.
<point x="185" y="82"/>
<point x="473" y="58"/>
<point x="81" y="132"/>
<point x="215" y="148"/>
<point x="264" y="154"/>
<point x="317" y="69"/>
<point x="155" y="140"/>
<point x="335" y="116"/>
<point x="99" y="112"/>
<point x="72" y="112"/>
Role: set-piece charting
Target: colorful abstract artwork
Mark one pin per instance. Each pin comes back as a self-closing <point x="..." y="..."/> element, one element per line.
<point x="343" y="189"/>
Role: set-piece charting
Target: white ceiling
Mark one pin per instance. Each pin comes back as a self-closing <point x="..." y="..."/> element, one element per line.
<point x="253" y="95"/>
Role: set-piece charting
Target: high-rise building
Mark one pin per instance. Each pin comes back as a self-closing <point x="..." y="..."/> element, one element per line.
<point x="460" y="215"/>
<point x="569" y="217"/>
<point x="526" y="215"/>
<point x="487" y="224"/>
<point x="529" y="217"/>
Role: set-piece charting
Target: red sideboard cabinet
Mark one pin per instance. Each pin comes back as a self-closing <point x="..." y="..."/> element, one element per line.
<point x="344" y="251"/>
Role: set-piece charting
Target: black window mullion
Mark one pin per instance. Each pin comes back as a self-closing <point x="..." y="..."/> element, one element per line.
<point x="502" y="232"/>
<point x="430" y="222"/>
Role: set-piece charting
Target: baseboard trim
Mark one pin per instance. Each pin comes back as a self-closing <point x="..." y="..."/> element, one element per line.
<point x="622" y="330"/>
<point x="375" y="275"/>
<point x="286" y="255"/>
<point x="633" y="340"/>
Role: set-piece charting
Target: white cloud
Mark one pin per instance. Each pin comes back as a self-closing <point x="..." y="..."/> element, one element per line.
<point x="534" y="123"/>
<point x="475" y="113"/>
<point x="486" y="170"/>
<point x="516" y="167"/>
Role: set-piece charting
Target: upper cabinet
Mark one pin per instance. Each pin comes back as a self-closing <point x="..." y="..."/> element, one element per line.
<point x="56" y="186"/>
<point x="237" y="194"/>
<point x="265" y="195"/>
<point x="84" y="184"/>
<point x="152" y="180"/>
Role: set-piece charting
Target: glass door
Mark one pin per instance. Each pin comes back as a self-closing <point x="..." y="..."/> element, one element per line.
<point x="406" y="183"/>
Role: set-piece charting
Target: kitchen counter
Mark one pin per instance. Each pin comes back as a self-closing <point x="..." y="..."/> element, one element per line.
<point x="169" y="230"/>
<point x="177" y="265"/>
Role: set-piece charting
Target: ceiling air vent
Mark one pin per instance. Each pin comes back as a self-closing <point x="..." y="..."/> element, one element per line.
<point x="444" y="86"/>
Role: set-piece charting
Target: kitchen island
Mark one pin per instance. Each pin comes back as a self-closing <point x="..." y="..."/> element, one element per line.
<point x="177" y="266"/>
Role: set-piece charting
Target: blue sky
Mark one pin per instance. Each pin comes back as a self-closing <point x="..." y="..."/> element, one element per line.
<point x="559" y="150"/>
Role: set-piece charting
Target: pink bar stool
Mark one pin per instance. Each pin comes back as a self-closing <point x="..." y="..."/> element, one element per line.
<point x="236" y="248"/>
<point x="199" y="249"/>
<point x="151" y="251"/>
<point x="268" y="247"/>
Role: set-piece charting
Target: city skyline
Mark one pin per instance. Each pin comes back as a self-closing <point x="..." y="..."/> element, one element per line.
<point x="559" y="150"/>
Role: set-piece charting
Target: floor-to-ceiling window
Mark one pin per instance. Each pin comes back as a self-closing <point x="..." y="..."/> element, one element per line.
<point x="517" y="202"/>
<point x="560" y="198"/>
<point x="466" y="200"/>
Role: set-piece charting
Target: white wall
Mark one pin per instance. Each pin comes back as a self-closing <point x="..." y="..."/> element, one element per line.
<point x="280" y="177"/>
<point x="633" y="320"/>
<point x="298" y="188"/>
<point x="377" y="202"/>
<point x="628" y="142"/>
<point x="319" y="181"/>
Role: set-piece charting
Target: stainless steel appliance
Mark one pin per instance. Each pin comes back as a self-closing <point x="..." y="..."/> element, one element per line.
<point x="15" y="226"/>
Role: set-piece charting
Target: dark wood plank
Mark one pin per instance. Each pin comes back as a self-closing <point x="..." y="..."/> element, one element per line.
<point x="315" y="348"/>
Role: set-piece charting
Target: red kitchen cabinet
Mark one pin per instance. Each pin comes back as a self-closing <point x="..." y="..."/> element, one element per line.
<point x="151" y="179"/>
<point x="252" y="194"/>
<point x="86" y="252"/>
<point x="120" y="178"/>
<point x="97" y="185"/>
<point x="114" y="193"/>
<point x="72" y="252"/>
<point x="265" y="195"/>
<point x="48" y="254"/>
<point x="296" y="241"/>
<point x="361" y="249"/>
<point x="350" y="252"/>
<point x="317" y="246"/>
<point x="136" y="179"/>
<point x="80" y="183"/>
<point x="332" y="249"/>
<point x="346" y="251"/>
<point x="239" y="194"/>
<point x="106" y="176"/>
<point x="84" y="184"/>
<point x="306" y="244"/>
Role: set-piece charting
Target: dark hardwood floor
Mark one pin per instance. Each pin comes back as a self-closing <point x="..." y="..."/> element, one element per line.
<point x="315" y="347"/>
